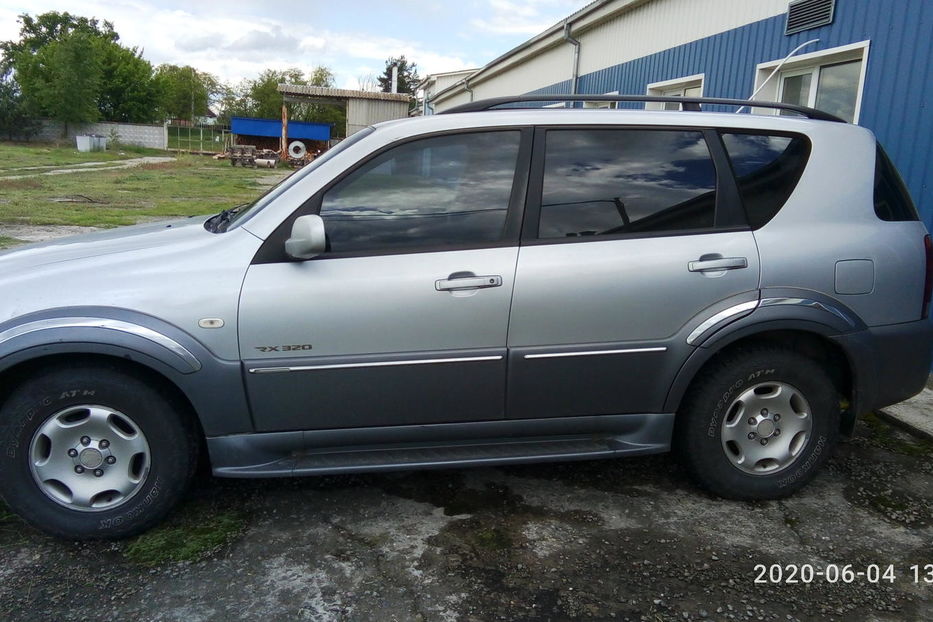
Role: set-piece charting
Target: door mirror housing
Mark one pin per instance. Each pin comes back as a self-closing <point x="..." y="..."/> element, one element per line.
<point x="308" y="239"/>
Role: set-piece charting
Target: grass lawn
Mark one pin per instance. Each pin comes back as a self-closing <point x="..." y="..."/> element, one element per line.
<point x="17" y="156"/>
<point x="188" y="186"/>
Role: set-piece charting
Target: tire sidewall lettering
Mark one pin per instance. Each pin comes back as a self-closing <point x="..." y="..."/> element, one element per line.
<point x="805" y="468"/>
<point x="134" y="512"/>
<point x="14" y="439"/>
<point x="712" y="430"/>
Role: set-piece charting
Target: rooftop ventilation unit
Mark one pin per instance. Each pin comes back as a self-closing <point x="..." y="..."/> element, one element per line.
<point x="807" y="14"/>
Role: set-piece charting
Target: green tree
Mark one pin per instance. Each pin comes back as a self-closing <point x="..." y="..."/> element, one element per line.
<point x="264" y="95"/>
<point x="186" y="93"/>
<point x="129" y="91"/>
<point x="37" y="32"/>
<point x="63" y="62"/>
<point x="15" y="121"/>
<point x="62" y="79"/>
<point x="234" y="102"/>
<point x="407" y="75"/>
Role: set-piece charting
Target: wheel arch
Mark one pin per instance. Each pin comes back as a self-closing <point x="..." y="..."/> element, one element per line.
<point x="16" y="370"/>
<point x="211" y="386"/>
<point x="811" y="339"/>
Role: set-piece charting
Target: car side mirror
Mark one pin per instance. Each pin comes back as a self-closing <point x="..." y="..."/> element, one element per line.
<point x="307" y="239"/>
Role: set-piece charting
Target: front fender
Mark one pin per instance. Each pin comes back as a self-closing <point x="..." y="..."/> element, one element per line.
<point x="214" y="386"/>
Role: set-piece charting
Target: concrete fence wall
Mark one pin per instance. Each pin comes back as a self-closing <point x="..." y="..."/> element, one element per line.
<point x="155" y="136"/>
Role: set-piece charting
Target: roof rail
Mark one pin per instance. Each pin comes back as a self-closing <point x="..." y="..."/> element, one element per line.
<point x="687" y="103"/>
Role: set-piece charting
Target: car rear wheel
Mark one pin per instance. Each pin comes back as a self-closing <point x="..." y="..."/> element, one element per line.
<point x="94" y="452"/>
<point x="758" y="423"/>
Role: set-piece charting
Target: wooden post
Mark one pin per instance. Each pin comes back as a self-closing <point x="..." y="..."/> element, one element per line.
<point x="283" y="147"/>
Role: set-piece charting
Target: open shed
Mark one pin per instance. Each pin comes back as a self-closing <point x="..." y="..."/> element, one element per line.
<point x="267" y="133"/>
<point x="363" y="107"/>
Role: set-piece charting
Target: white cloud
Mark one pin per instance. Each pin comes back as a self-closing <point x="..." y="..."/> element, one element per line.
<point x="523" y="17"/>
<point x="237" y="39"/>
<point x="509" y="28"/>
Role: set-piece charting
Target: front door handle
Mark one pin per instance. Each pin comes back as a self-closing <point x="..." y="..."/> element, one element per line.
<point x="716" y="263"/>
<point x="454" y="282"/>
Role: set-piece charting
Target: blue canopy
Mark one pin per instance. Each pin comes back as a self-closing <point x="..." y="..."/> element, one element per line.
<point x="273" y="127"/>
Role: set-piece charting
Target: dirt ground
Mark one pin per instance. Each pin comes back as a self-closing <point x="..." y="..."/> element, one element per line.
<point x="602" y="540"/>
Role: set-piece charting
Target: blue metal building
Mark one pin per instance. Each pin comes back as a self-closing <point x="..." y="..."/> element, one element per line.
<point x="871" y="63"/>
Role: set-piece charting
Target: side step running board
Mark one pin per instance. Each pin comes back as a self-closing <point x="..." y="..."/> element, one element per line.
<point x="652" y="436"/>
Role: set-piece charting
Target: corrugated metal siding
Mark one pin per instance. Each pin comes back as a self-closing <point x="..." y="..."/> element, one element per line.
<point x="365" y="112"/>
<point x="898" y="89"/>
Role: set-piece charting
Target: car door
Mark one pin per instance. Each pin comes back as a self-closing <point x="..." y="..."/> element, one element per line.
<point x="403" y="320"/>
<point x="633" y="236"/>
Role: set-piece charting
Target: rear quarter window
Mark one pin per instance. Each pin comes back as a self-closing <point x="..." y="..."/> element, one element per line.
<point x="892" y="200"/>
<point x="767" y="168"/>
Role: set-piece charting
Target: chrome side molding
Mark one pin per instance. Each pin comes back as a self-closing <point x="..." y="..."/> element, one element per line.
<point x="107" y="324"/>
<point x="555" y="355"/>
<point x="722" y="316"/>
<point x="731" y="312"/>
<point x="464" y="359"/>
<point x="807" y="302"/>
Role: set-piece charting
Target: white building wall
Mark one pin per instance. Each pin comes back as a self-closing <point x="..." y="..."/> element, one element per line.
<point x="662" y="24"/>
<point x="540" y="70"/>
<point x="619" y="32"/>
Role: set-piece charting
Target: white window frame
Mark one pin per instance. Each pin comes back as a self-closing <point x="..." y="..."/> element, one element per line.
<point x="603" y="105"/>
<point x="658" y="89"/>
<point x="811" y="63"/>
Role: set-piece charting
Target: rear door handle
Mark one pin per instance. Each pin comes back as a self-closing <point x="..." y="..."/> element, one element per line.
<point x="717" y="263"/>
<point x="467" y="282"/>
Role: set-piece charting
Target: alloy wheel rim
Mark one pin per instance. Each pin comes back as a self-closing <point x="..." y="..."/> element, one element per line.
<point x="89" y="458"/>
<point x="766" y="428"/>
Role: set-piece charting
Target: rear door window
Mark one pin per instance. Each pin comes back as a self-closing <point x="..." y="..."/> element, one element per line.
<point x="600" y="182"/>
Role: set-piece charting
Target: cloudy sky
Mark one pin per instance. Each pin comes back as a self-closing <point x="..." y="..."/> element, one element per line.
<point x="236" y="39"/>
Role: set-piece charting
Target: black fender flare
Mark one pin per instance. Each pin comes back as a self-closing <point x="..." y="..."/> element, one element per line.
<point x="788" y="309"/>
<point x="212" y="385"/>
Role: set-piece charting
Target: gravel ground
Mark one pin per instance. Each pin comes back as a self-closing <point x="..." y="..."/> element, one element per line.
<point x="603" y="540"/>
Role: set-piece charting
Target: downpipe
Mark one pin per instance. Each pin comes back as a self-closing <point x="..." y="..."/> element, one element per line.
<point x="575" y="75"/>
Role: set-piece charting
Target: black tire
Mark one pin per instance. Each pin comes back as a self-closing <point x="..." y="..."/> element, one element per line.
<point x="171" y="437"/>
<point x="706" y="448"/>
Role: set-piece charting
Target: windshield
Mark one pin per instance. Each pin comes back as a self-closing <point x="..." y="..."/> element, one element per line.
<point x="245" y="212"/>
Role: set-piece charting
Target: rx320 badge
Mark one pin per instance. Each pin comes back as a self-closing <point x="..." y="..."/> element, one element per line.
<point x="288" y="348"/>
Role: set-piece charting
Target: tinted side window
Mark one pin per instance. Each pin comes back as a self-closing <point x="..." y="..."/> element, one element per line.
<point x="767" y="169"/>
<point x="892" y="201"/>
<point x="608" y="181"/>
<point x="443" y="191"/>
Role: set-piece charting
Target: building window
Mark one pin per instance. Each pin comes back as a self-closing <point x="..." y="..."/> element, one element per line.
<point x="830" y="80"/>
<point x="688" y="86"/>
<point x="603" y="105"/>
<point x="830" y="88"/>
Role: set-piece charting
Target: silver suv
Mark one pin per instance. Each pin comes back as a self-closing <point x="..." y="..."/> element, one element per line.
<point x="484" y="287"/>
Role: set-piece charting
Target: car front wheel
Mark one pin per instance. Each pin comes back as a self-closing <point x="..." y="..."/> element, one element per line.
<point x="94" y="452"/>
